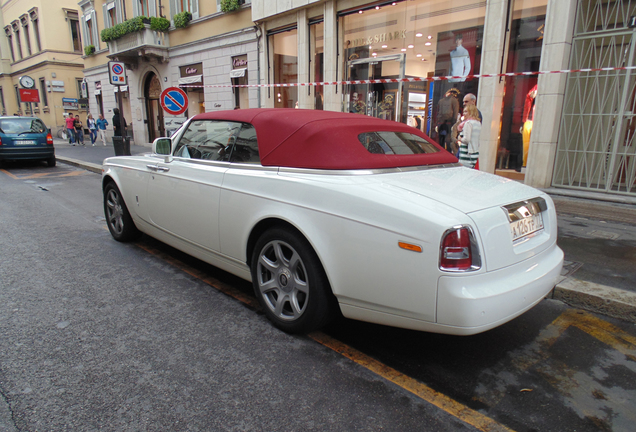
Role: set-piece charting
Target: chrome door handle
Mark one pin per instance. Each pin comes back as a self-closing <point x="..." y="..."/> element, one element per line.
<point x="158" y="168"/>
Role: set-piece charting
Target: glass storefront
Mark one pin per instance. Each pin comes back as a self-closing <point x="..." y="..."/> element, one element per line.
<point x="405" y="39"/>
<point x="524" y="55"/>
<point x="284" y="48"/>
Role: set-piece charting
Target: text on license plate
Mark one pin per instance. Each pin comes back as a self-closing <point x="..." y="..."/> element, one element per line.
<point x="526" y="226"/>
<point x="23" y="142"/>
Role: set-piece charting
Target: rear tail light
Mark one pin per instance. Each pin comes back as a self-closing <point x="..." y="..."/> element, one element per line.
<point x="459" y="251"/>
<point x="49" y="138"/>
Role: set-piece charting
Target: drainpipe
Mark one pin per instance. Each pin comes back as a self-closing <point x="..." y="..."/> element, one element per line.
<point x="257" y="29"/>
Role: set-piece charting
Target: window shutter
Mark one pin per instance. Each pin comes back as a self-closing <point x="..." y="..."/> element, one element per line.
<point x="119" y="12"/>
<point x="95" y="34"/>
<point x="87" y="36"/>
<point x="152" y="8"/>
<point x="173" y="11"/>
<point x="106" y="19"/>
<point x="194" y="8"/>
<point x="136" y="12"/>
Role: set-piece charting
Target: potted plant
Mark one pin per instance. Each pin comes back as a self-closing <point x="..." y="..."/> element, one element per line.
<point x="230" y="5"/>
<point x="89" y="50"/>
<point x="182" y="19"/>
<point x="159" y="24"/>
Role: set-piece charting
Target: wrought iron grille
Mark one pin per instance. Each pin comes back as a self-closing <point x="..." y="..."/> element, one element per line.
<point x="596" y="148"/>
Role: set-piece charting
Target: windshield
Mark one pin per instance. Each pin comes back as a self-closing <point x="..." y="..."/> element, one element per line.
<point x="395" y="143"/>
<point x="22" y="125"/>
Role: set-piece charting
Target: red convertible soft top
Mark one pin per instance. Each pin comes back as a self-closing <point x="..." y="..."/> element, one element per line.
<point x="324" y="139"/>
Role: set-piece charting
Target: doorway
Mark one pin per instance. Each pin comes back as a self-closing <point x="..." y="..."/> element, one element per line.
<point x="154" y="112"/>
<point x="381" y="100"/>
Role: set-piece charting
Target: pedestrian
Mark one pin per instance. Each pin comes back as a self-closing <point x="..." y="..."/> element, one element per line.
<point x="469" y="138"/>
<point x="101" y="123"/>
<point x="79" y="132"/>
<point x="70" y="129"/>
<point x="471" y="99"/>
<point x="92" y="128"/>
<point x="119" y="123"/>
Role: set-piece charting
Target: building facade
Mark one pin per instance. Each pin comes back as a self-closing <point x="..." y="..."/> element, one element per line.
<point x="205" y="57"/>
<point x="536" y="128"/>
<point x="47" y="50"/>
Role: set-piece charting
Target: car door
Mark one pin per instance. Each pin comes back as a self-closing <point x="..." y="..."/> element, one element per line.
<point x="183" y="194"/>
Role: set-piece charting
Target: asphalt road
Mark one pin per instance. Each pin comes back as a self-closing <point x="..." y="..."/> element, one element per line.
<point x="100" y="335"/>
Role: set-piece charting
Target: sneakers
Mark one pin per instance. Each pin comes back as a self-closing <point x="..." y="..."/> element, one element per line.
<point x="93" y="145"/>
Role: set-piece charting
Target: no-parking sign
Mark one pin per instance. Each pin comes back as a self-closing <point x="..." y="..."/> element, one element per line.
<point x="174" y="100"/>
<point x="117" y="73"/>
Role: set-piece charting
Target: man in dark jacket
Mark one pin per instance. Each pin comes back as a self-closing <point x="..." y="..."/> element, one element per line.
<point x="119" y="123"/>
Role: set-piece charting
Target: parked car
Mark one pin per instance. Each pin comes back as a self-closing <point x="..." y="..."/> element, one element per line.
<point x="25" y="138"/>
<point x="328" y="212"/>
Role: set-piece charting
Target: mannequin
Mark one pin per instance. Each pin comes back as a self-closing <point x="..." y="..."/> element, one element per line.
<point x="527" y="119"/>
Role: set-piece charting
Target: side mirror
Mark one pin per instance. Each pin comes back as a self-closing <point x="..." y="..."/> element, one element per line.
<point x="162" y="146"/>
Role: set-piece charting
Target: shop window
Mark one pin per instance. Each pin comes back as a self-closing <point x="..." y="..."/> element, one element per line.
<point x="284" y="61"/>
<point x="413" y="39"/>
<point x="317" y="68"/>
<point x="524" y="55"/>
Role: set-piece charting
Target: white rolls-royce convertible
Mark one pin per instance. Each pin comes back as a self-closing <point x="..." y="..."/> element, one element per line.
<point x="331" y="213"/>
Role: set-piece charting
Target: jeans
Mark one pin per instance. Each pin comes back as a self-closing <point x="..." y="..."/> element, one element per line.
<point x="93" y="133"/>
<point x="79" y="136"/>
<point x="71" y="135"/>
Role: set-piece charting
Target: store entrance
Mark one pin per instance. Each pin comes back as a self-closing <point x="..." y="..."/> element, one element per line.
<point x="381" y="100"/>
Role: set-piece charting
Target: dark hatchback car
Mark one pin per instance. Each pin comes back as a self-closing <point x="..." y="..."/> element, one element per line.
<point x="25" y="138"/>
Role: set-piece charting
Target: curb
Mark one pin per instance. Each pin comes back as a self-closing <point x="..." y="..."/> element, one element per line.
<point x="597" y="298"/>
<point x="81" y="164"/>
<point x="601" y="299"/>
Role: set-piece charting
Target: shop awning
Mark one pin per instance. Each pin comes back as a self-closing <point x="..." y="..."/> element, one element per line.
<point x="237" y="73"/>
<point x="191" y="79"/>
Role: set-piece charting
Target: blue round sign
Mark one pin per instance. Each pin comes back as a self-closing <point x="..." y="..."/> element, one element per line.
<point x="118" y="69"/>
<point x="174" y="100"/>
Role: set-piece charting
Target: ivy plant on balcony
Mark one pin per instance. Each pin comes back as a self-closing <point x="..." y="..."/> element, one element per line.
<point x="230" y="5"/>
<point x="182" y="19"/>
<point x="159" y="24"/>
<point x="129" y="26"/>
<point x="89" y="50"/>
<point x="134" y="25"/>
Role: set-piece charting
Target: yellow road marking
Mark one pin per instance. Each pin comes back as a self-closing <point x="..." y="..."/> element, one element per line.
<point x="47" y="175"/>
<point x="452" y="407"/>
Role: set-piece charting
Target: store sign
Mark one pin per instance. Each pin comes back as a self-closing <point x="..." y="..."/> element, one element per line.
<point x="378" y="38"/>
<point x="29" y="95"/>
<point x="239" y="62"/>
<point x="70" y="103"/>
<point x="195" y="69"/>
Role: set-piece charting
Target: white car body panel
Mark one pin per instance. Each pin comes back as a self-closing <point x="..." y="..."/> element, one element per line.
<point x="354" y="223"/>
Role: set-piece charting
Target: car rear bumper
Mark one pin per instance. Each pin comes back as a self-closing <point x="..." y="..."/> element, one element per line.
<point x="470" y="304"/>
<point x="15" y="153"/>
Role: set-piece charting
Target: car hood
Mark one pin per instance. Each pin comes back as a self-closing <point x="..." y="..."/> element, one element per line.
<point x="466" y="190"/>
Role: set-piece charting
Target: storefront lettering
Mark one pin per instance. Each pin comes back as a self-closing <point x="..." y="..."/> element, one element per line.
<point x="378" y="38"/>
<point x="238" y="62"/>
<point x="191" y="70"/>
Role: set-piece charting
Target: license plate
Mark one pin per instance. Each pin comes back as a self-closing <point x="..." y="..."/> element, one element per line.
<point x="526" y="226"/>
<point x="24" y="142"/>
<point x="525" y="217"/>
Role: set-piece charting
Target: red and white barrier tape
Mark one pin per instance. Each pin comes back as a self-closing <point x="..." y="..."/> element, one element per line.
<point x="392" y="80"/>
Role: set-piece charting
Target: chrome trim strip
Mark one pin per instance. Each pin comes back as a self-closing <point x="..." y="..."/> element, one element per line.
<point x="522" y="209"/>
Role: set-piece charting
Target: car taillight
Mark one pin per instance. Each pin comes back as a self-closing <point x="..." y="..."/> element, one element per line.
<point x="49" y="139"/>
<point x="458" y="251"/>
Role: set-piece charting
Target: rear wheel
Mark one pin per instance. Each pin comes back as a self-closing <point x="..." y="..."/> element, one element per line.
<point x="290" y="283"/>
<point x="120" y="224"/>
<point x="51" y="161"/>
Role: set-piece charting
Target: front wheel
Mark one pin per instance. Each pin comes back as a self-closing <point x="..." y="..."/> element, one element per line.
<point x="120" y="224"/>
<point x="290" y="283"/>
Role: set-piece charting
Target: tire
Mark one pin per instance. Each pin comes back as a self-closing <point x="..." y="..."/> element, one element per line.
<point x="120" y="224"/>
<point x="51" y="162"/>
<point x="290" y="283"/>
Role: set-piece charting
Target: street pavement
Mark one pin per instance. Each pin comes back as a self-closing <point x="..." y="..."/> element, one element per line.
<point x="598" y="238"/>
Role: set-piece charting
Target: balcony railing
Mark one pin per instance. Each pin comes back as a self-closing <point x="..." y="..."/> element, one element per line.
<point x="145" y="42"/>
